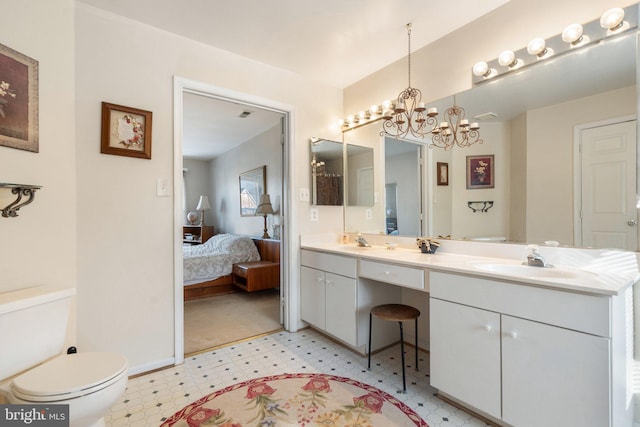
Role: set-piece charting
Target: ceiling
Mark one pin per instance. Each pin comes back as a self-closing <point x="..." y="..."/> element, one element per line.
<point x="352" y="39"/>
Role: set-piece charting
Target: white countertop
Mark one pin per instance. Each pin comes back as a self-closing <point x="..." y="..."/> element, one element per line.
<point x="604" y="272"/>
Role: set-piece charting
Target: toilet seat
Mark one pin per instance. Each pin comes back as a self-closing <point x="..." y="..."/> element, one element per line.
<point x="69" y="376"/>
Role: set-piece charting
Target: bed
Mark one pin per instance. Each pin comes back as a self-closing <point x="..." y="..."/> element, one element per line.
<point x="207" y="268"/>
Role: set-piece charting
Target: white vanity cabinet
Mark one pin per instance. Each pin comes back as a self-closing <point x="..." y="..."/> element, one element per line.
<point x="328" y="294"/>
<point x="529" y="356"/>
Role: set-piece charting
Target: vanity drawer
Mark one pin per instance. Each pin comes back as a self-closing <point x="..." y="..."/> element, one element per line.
<point x="342" y="265"/>
<point x="580" y="312"/>
<point x="409" y="277"/>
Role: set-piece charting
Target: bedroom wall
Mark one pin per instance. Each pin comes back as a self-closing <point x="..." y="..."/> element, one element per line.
<point x="39" y="246"/>
<point x="197" y="184"/>
<point x="126" y="237"/>
<point x="225" y="170"/>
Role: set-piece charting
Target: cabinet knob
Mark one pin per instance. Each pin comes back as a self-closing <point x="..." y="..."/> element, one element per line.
<point x="386" y="273"/>
<point x="488" y="328"/>
<point x="513" y="334"/>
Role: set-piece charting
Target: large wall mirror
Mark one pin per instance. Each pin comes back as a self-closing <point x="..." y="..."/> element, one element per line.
<point x="546" y="188"/>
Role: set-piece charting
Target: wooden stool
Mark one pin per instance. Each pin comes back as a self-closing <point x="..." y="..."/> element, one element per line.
<point x="397" y="313"/>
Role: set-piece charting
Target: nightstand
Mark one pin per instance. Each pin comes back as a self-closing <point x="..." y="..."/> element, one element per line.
<point x="199" y="234"/>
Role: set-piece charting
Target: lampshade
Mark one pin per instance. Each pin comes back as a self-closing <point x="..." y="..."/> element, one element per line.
<point x="264" y="207"/>
<point x="203" y="204"/>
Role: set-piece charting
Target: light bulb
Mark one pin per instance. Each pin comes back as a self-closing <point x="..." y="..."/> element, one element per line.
<point x="612" y="19"/>
<point x="572" y="34"/>
<point x="481" y="69"/>
<point x="537" y="47"/>
<point x="374" y="109"/>
<point x="507" y="59"/>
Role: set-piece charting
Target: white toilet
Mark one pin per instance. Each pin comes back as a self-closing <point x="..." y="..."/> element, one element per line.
<point x="36" y="370"/>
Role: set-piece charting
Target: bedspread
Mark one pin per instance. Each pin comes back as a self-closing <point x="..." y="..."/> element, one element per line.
<point x="215" y="257"/>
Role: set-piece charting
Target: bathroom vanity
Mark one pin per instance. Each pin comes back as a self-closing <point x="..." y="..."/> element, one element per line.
<point x="519" y="345"/>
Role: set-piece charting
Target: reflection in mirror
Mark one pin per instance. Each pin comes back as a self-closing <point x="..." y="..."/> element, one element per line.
<point x="326" y="172"/>
<point x="360" y="187"/>
<point x="403" y="186"/>
<point x="533" y="123"/>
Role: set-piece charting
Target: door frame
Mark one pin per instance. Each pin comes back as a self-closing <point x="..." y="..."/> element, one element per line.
<point x="577" y="169"/>
<point x="180" y="86"/>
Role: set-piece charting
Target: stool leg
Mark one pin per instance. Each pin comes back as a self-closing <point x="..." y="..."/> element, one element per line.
<point x="417" y="344"/>
<point x="404" y="385"/>
<point x="369" y="364"/>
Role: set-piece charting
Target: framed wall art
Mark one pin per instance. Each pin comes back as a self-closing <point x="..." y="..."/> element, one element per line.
<point x="18" y="100"/>
<point x="253" y="184"/>
<point x="480" y="172"/>
<point x="126" y="131"/>
<point x="442" y="173"/>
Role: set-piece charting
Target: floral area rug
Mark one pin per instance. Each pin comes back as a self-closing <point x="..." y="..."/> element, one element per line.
<point x="297" y="400"/>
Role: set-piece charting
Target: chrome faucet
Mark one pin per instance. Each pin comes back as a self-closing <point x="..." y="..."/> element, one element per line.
<point x="534" y="259"/>
<point x="362" y="242"/>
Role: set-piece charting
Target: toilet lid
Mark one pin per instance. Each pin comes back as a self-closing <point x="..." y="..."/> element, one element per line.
<point x="69" y="376"/>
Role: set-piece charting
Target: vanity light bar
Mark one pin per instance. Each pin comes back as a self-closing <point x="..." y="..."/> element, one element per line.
<point x="613" y="22"/>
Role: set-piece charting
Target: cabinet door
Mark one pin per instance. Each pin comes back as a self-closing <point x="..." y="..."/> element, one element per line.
<point x="312" y="300"/>
<point x="465" y="354"/>
<point x="553" y="376"/>
<point x="341" y="307"/>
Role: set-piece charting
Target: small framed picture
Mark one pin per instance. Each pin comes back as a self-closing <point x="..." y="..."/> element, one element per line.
<point x="126" y="131"/>
<point x="442" y="173"/>
<point x="480" y="172"/>
<point x="252" y="185"/>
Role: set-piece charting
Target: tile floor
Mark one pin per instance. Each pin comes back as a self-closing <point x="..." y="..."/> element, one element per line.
<point x="151" y="398"/>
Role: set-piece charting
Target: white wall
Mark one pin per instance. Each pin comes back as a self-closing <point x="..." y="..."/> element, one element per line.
<point x="125" y="243"/>
<point x="197" y="184"/>
<point x="39" y="246"/>
<point x="550" y="177"/>
<point x="494" y="222"/>
<point x="264" y="149"/>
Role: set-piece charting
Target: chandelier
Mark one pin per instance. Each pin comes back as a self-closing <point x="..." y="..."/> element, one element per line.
<point x="410" y="116"/>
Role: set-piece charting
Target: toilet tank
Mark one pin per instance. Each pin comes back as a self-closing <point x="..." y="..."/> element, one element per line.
<point x="33" y="326"/>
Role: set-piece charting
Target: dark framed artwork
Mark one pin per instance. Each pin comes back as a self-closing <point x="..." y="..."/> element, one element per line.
<point x="480" y="171"/>
<point x="18" y="100"/>
<point x="126" y="131"/>
<point x="253" y="184"/>
<point x="442" y="173"/>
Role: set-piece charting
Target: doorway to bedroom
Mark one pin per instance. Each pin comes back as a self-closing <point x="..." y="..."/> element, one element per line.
<point x="223" y="141"/>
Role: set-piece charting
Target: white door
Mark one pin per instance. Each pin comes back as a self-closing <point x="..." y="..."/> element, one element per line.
<point x="465" y="354"/>
<point x="609" y="205"/>
<point x="365" y="187"/>
<point x="553" y="376"/>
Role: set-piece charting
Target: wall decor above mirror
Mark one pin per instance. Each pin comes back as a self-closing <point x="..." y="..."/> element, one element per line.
<point x="533" y="122"/>
<point x="327" y="183"/>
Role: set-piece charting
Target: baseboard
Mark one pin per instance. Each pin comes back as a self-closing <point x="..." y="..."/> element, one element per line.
<point x="151" y="366"/>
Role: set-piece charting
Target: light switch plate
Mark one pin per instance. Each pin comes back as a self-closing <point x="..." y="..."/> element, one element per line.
<point x="162" y="187"/>
<point x="304" y="194"/>
<point x="369" y="214"/>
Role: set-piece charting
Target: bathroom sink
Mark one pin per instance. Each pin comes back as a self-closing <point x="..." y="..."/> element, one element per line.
<point x="533" y="272"/>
